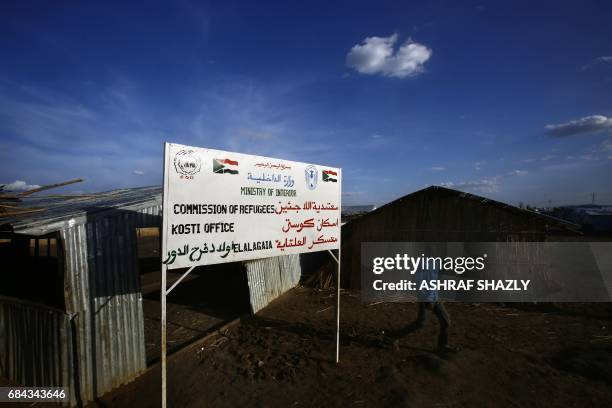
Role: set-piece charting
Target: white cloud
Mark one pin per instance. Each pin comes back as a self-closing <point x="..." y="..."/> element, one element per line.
<point x="588" y="124"/>
<point x="376" y="55"/>
<point x="251" y="135"/>
<point x="437" y="168"/>
<point x="478" y="165"/>
<point x="603" y="59"/>
<point x="351" y="193"/>
<point x="546" y="157"/>
<point x="581" y="157"/>
<point x="19" y="185"/>
<point x="119" y="120"/>
<point x="487" y="185"/>
<point x="138" y="172"/>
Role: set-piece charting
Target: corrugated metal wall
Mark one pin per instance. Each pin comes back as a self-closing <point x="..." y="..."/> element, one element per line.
<point x="102" y="291"/>
<point x="36" y="345"/>
<point x="270" y="277"/>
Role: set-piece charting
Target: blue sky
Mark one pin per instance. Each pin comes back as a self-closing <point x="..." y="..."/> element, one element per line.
<point x="508" y="100"/>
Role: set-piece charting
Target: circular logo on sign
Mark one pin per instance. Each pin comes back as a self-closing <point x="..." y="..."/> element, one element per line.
<point x="311" y="174"/>
<point x="187" y="162"/>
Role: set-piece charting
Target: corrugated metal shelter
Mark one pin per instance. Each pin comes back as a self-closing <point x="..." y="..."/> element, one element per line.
<point x="439" y="214"/>
<point x="91" y="338"/>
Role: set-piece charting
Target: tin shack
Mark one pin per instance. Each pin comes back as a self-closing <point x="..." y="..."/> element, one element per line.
<point x="71" y="304"/>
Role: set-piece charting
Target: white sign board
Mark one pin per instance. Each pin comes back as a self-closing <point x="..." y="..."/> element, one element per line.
<point x="223" y="207"/>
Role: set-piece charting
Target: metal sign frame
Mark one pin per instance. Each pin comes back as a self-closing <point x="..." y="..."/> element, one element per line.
<point x="165" y="291"/>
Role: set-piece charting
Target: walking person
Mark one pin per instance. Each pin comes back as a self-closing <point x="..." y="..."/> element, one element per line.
<point x="428" y="302"/>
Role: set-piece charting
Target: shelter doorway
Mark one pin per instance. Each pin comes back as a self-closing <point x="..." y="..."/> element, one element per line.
<point x="32" y="269"/>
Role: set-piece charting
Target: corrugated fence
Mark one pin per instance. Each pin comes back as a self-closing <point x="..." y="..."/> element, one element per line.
<point x="268" y="278"/>
<point x="36" y="345"/>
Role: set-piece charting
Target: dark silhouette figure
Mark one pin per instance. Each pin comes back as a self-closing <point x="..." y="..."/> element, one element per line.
<point x="428" y="301"/>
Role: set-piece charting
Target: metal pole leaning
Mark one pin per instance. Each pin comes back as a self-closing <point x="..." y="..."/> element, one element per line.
<point x="183" y="276"/>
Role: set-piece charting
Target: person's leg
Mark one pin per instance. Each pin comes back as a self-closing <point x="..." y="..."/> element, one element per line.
<point x="445" y="322"/>
<point x="423" y="315"/>
<point x="418" y="323"/>
<point x="415" y="325"/>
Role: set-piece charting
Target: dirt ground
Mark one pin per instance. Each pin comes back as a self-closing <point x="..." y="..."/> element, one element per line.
<point x="192" y="311"/>
<point x="284" y="357"/>
<point x="195" y="307"/>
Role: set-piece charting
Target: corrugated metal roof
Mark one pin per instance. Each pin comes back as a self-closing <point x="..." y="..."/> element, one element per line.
<point x="59" y="210"/>
<point x="508" y="207"/>
<point x="355" y="209"/>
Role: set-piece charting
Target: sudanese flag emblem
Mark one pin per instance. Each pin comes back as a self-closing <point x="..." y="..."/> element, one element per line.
<point x="225" y="166"/>
<point x="330" y="176"/>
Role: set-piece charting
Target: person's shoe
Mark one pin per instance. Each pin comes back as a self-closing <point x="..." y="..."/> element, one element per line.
<point x="447" y="351"/>
<point x="385" y="340"/>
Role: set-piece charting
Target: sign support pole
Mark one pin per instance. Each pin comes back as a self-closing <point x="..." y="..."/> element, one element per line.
<point x="338" y="308"/>
<point x="164" y="294"/>
<point x="339" y="262"/>
<point x="164" y="270"/>
<point x="163" y="335"/>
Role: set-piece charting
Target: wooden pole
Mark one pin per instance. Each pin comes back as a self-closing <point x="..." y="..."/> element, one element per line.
<point x="47" y="187"/>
